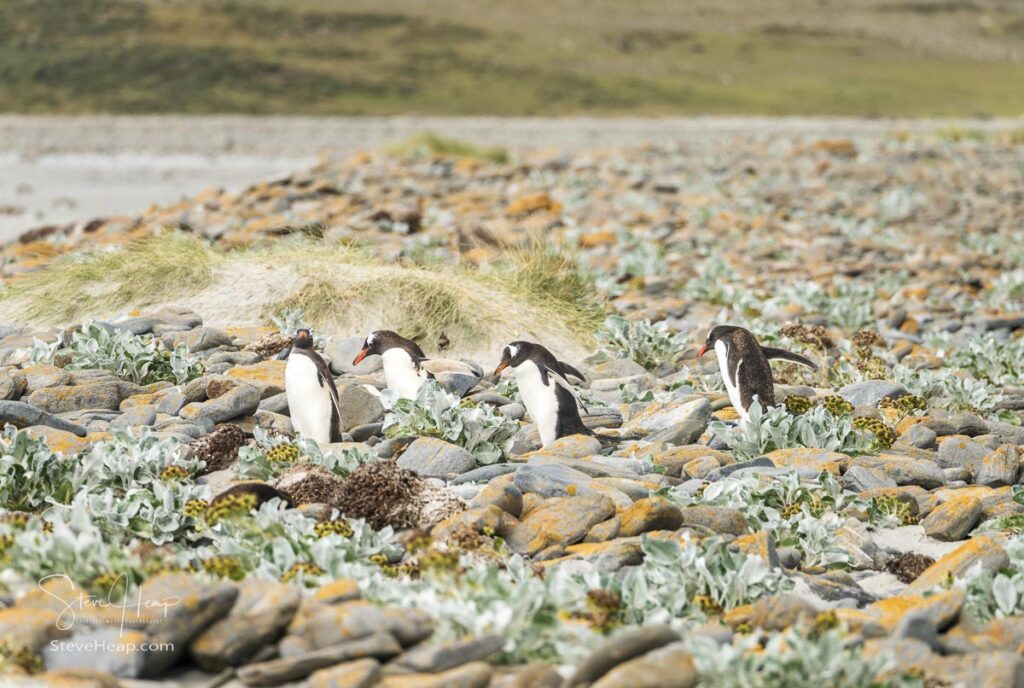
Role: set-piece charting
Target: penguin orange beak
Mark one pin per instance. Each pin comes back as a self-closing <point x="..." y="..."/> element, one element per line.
<point x="703" y="350"/>
<point x="501" y="367"/>
<point x="362" y="354"/>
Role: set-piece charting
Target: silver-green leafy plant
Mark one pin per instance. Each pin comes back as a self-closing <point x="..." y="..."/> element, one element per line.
<point x="990" y="359"/>
<point x="847" y="305"/>
<point x="799" y="513"/>
<point x="142" y="360"/>
<point x="952" y="390"/>
<point x="482" y="431"/>
<point x="763" y="431"/>
<point x="269" y="455"/>
<point x="640" y="341"/>
<point x="30" y="473"/>
<point x="795" y="659"/>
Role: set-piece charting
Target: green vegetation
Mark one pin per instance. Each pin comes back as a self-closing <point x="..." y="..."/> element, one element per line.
<point x="428" y="144"/>
<point x="860" y="57"/>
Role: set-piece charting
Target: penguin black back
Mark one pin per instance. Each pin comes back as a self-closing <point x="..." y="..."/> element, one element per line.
<point x="744" y="364"/>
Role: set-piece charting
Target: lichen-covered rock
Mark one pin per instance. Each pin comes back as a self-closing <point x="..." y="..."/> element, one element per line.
<point x="979" y="549"/>
<point x="95" y="395"/>
<point x="654" y="513"/>
<point x="904" y="470"/>
<point x="670" y="666"/>
<point x="242" y="400"/>
<point x="623" y="647"/>
<point x="259" y="616"/>
<point x="559" y="521"/>
<point x="378" y="645"/>
<point x="720" y="519"/>
<point x="953" y="519"/>
<point x="999" y="467"/>
<point x="812" y="459"/>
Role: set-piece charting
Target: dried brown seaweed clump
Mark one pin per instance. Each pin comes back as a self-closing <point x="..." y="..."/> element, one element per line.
<point x="908" y="566"/>
<point x="269" y="345"/>
<point x="385" y="495"/>
<point x="309" y="484"/>
<point x="220" y="448"/>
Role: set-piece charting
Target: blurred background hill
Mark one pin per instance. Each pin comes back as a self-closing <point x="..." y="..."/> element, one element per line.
<point x="936" y="58"/>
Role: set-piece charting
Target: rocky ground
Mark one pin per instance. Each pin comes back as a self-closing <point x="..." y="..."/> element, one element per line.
<point x="864" y="532"/>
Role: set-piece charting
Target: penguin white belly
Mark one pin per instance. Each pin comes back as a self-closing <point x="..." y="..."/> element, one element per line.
<point x="400" y="373"/>
<point x="539" y="399"/>
<point x="309" y="403"/>
<point x="722" y="352"/>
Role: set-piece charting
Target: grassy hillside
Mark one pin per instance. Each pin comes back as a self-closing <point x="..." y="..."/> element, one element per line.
<point x="857" y="57"/>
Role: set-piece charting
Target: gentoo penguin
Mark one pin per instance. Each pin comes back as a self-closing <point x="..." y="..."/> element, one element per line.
<point x="547" y="395"/>
<point x="312" y="395"/>
<point x="744" y="365"/>
<point x="406" y="367"/>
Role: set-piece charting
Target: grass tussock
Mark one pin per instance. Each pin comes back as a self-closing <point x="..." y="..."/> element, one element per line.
<point x="429" y="144"/>
<point x="550" y="279"/>
<point x="142" y="273"/>
<point x="531" y="292"/>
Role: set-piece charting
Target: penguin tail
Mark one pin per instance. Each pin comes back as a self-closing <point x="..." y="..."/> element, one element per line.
<point x="782" y="354"/>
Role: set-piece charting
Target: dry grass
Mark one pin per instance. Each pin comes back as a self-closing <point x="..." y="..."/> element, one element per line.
<point x="534" y="292"/>
<point x="143" y="273"/>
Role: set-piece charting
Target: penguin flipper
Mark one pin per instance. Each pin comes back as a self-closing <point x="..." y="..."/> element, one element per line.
<point x="782" y="354"/>
<point x="324" y="377"/>
<point x="568" y="370"/>
<point x="557" y="378"/>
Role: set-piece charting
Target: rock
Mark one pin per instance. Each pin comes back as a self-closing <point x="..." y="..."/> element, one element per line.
<point x="654" y="513"/>
<point x="816" y="460"/>
<point x="904" y="470"/>
<point x="772" y="613"/>
<point x="559" y="521"/>
<point x="761" y="462"/>
<point x="325" y="625"/>
<point x="342" y="352"/>
<point x="485" y="473"/>
<point x="31" y="628"/>
<point x="96" y="395"/>
<point x="379" y="645"/>
<point x="575" y="446"/>
<point x="953" y="519"/>
<point x="203" y="339"/>
<point x="95" y="649"/>
<point x="277" y="403"/>
<point x="860" y="478"/>
<point x="456" y="382"/>
<point x="659" y="417"/>
<point x="871" y="392"/>
<point x="266" y="376"/>
<point x="479" y="519"/>
<point x="171" y="403"/>
<point x="668" y="667"/>
<point x="21" y="415"/>
<point x="720" y="519"/>
<point x="259" y="616"/>
<point x="362" y="433"/>
<point x="64" y="442"/>
<point x="700" y="467"/>
<point x="959" y="451"/>
<point x="998" y="468"/>
<point x="920" y="436"/>
<point x="44" y="375"/>
<point x="981" y="549"/>
<point x="473" y="675"/>
<point x="135" y="417"/>
<point x="362" y="673"/>
<point x="12" y="386"/>
<point x="430" y="457"/>
<point x="537" y="675"/>
<point x="625" y="646"/>
<point x="604" y="531"/>
<point x="550" y="480"/>
<point x="358" y="406"/>
<point x="184" y="606"/>
<point x="977" y="670"/>
<point x="514" y="411"/>
<point x="241" y="401"/>
<point x="502" y="494"/>
<point x="432" y="658"/>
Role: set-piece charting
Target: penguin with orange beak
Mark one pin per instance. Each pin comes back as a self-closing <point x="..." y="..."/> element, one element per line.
<point x="744" y="365"/>
<point x="405" y="365"/>
<point x="549" y="398"/>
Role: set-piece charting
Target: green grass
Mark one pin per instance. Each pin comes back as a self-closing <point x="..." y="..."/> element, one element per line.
<point x="143" y="273"/>
<point x="428" y="143"/>
<point x="511" y="57"/>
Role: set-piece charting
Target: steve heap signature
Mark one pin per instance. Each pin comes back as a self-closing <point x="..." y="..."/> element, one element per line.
<point x="133" y="610"/>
